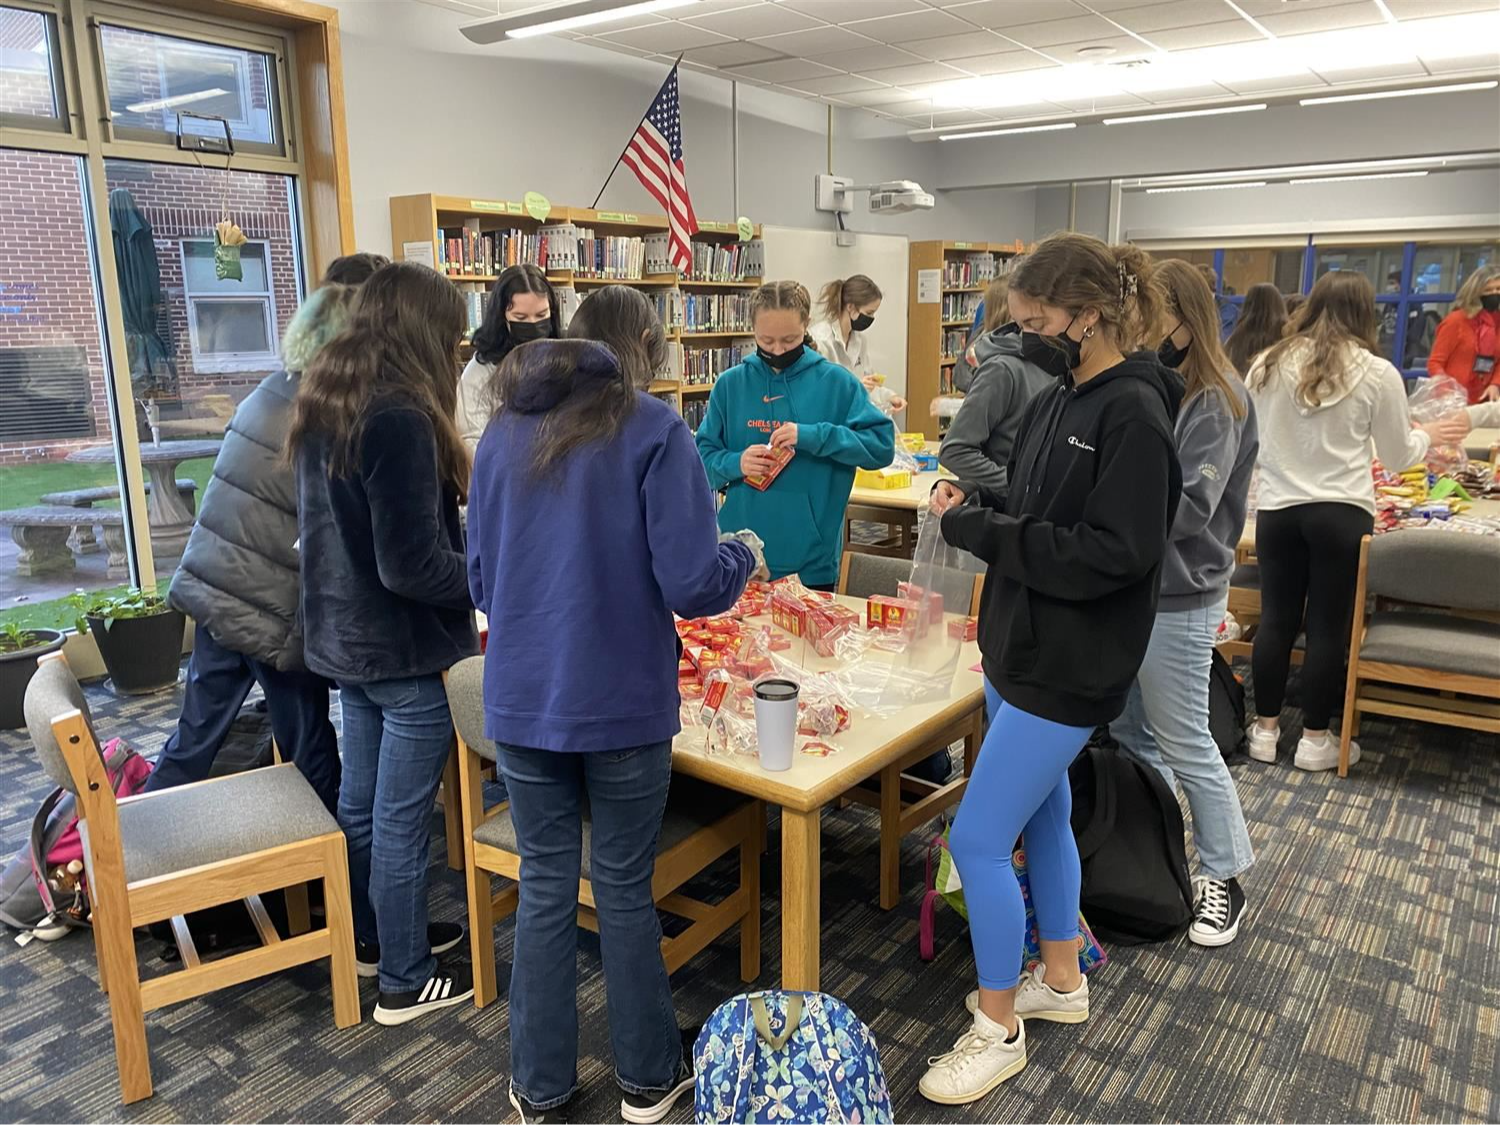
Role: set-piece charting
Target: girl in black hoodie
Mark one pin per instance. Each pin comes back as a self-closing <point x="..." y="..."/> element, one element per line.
<point x="1074" y="553"/>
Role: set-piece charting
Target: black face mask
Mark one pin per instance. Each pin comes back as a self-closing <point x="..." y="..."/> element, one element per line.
<point x="1050" y="358"/>
<point x="1491" y="302"/>
<point x="523" y="331"/>
<point x="1071" y="349"/>
<point x="861" y="322"/>
<point x="780" y="362"/>
<point x="1170" y="354"/>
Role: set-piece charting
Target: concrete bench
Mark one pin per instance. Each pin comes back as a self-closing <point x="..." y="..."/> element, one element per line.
<point x="83" y="536"/>
<point x="41" y="534"/>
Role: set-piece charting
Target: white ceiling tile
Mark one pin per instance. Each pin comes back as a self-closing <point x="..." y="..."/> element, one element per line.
<point x="1124" y="47"/>
<point x="961" y="117"/>
<point x="840" y="84"/>
<point x="670" y="37"/>
<point x="967" y="46"/>
<point x="782" y="70"/>
<point x="745" y="23"/>
<point x="629" y="23"/>
<point x="708" y="7"/>
<point x="886" y="95"/>
<point x="1187" y="95"/>
<point x="1112" y="8"/>
<point x="1002" y="14"/>
<point x="1424" y="9"/>
<point x="1270" y="86"/>
<point x="1100" y="105"/>
<point x="927" y="24"/>
<point x="732" y="53"/>
<point x="1004" y="62"/>
<point x="814" y="41"/>
<point x="1297" y="21"/>
<point x="1482" y="64"/>
<point x="919" y="75"/>
<point x="910" y="106"/>
<point x="868" y="58"/>
<point x="1258" y="8"/>
<point x="621" y="48"/>
<point x="1173" y="13"/>
<point x="1077" y="30"/>
<point x="1205" y="35"/>
<point x="843" y="11"/>
<point x="1373" y="75"/>
<point x="793" y="92"/>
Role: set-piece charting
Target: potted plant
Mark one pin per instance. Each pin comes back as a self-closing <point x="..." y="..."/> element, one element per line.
<point x="19" y="648"/>
<point x="139" y="638"/>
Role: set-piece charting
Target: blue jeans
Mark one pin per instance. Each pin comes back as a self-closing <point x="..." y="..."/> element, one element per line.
<point x="1019" y="788"/>
<point x="1165" y="725"/>
<point x="218" y="681"/>
<point x="624" y="793"/>
<point x="397" y="736"/>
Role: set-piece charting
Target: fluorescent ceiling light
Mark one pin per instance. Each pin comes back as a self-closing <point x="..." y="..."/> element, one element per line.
<point x="1008" y="132"/>
<point x="1347" y="179"/>
<point x="1414" y="92"/>
<point x="1214" y="112"/>
<point x="1456" y="161"/>
<point x="175" y="101"/>
<point x="568" y="16"/>
<point x="1203" y="187"/>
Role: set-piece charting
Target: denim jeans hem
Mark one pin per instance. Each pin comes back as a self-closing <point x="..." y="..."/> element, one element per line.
<point x="643" y="1091"/>
<point x="1235" y="874"/>
<point x="550" y="1103"/>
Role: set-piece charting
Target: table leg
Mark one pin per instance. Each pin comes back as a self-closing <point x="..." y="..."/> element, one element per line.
<point x="890" y="836"/>
<point x="801" y="912"/>
<point x="171" y="520"/>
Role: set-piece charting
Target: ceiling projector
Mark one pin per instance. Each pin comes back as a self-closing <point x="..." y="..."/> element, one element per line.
<point x="891" y="197"/>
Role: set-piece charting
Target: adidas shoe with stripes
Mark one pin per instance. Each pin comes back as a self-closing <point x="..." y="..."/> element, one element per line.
<point x="445" y="988"/>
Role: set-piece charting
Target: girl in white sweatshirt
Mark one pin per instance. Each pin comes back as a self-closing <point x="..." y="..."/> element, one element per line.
<point x="1326" y="405"/>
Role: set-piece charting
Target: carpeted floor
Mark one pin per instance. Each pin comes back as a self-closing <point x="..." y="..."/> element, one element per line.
<point x="1365" y="984"/>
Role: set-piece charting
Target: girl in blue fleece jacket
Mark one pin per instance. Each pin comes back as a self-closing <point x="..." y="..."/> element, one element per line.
<point x="787" y="396"/>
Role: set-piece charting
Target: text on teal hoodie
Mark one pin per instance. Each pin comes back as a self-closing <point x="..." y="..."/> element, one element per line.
<point x="801" y="516"/>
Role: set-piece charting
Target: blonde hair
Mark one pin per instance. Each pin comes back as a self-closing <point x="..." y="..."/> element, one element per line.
<point x="1473" y="286"/>
<point x="996" y="304"/>
<point x="774" y="295"/>
<point x="1338" y="314"/>
<point x="1077" y="272"/>
<point x="321" y="318"/>
<point x="856" y="290"/>
<point x="1206" y="366"/>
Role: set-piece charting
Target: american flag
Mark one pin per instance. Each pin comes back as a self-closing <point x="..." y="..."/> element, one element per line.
<point x="654" y="154"/>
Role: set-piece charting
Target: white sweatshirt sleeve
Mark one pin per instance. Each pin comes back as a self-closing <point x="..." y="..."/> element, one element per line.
<point x="1486" y="414"/>
<point x="1397" y="444"/>
<point x="472" y="416"/>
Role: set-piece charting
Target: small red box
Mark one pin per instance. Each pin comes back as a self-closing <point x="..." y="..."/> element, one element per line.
<point x="964" y="629"/>
<point x="782" y="457"/>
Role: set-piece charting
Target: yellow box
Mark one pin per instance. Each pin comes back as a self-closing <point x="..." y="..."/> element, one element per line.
<point x="882" y="478"/>
<point x="914" y="443"/>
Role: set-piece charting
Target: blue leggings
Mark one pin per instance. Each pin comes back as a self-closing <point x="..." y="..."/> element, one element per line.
<point x="1019" y="788"/>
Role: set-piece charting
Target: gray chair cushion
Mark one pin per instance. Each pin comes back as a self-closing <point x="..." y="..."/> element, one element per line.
<point x="53" y="692"/>
<point x="1437" y="568"/>
<point x="466" y="703"/>
<point x="691" y="805"/>
<point x="175" y="829"/>
<point x="1436" y="641"/>
<point x="871" y="575"/>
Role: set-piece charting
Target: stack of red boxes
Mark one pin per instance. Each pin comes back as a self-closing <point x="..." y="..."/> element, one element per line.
<point x="812" y="615"/>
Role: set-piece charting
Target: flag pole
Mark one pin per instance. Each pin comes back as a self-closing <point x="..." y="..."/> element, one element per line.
<point x="633" y="132"/>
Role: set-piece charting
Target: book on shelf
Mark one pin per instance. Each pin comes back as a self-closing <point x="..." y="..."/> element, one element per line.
<point x="734" y="261"/>
<point x="716" y="312"/>
<point x="673" y="368"/>
<point x="568" y="300"/>
<point x="955" y="340"/>
<point x="469" y="251"/>
<point x="702" y="366"/>
<point x="694" y="411"/>
<point x="972" y="270"/>
<point x="960" y="306"/>
<point x="588" y="254"/>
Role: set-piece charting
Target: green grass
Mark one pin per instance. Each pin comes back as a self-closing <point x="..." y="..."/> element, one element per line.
<point x="56" y="614"/>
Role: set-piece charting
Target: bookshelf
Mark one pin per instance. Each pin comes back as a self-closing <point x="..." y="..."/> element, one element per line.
<point x="706" y="314"/>
<point x="937" y="329"/>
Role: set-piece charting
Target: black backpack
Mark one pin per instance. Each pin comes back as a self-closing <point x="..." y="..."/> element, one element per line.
<point x="1226" y="707"/>
<point x="1129" y="830"/>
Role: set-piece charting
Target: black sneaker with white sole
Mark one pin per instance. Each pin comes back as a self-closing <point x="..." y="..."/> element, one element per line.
<point x="1218" y="907"/>
<point x="445" y="988"/>
<point x="647" y="1109"/>
<point x="557" y="1115"/>
<point x="442" y="936"/>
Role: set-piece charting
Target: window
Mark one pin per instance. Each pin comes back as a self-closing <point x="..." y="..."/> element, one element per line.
<point x="1244" y="268"/>
<point x="1444" y="269"/>
<point x="152" y="76"/>
<point x="1381" y="264"/>
<point x="232" y="324"/>
<point x="30" y="85"/>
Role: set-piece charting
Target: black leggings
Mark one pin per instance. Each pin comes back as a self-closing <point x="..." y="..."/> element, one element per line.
<point x="1308" y="555"/>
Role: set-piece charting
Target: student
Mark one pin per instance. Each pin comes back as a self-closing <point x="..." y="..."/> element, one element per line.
<point x="238" y="578"/>
<point x="1165" y="722"/>
<point x="1468" y="339"/>
<point x="1074" y="555"/>
<point x="1326" y="403"/>
<point x="788" y="396"/>
<point x="1262" y="323"/>
<point x="590" y="524"/>
<point x="522" y="307"/>
<point x="848" y="308"/>
<point x="992" y="314"/>
<point x="385" y="605"/>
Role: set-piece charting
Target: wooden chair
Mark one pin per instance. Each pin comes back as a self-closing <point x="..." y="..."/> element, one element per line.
<point x="164" y="854"/>
<point x="702" y="823"/>
<point x="906" y="803"/>
<point x="1244" y="603"/>
<point x="1442" y="650"/>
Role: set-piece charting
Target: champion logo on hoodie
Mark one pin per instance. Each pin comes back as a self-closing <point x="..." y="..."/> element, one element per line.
<point x="1080" y="444"/>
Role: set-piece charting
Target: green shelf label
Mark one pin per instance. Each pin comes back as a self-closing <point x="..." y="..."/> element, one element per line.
<point x="617" y="217"/>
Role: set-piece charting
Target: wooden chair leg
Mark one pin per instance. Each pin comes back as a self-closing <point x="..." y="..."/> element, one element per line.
<point x="482" y="935"/>
<point x="890" y="837"/>
<point x="116" y="947"/>
<point x="298" y="912"/>
<point x="453" y="829"/>
<point x="750" y="883"/>
<point x="338" y="910"/>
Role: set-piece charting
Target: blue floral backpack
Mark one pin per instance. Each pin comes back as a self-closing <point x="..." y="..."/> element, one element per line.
<point x="788" y="1056"/>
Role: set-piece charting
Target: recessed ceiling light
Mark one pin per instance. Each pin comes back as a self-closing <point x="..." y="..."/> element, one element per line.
<point x="1213" y="112"/>
<point x="1409" y="92"/>
<point x="1008" y="132"/>
<point x="1203" y="187"/>
<point x="1097" y="51"/>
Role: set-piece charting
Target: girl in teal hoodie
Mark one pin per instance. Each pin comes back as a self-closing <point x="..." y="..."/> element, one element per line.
<point x="788" y="397"/>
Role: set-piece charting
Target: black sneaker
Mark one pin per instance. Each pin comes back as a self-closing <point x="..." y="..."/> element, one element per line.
<point x="647" y="1109"/>
<point x="1218" y="906"/>
<point x="443" y="989"/>
<point x="442" y="936"/>
<point x="557" y="1114"/>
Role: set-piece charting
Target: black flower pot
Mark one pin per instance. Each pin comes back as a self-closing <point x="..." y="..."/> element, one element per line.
<point x="16" y="670"/>
<point x="141" y="653"/>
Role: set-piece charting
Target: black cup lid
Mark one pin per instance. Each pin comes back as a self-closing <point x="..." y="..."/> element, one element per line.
<point x="776" y="690"/>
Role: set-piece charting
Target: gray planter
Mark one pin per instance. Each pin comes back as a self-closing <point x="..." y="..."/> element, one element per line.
<point x="142" y="654"/>
<point x="16" y="670"/>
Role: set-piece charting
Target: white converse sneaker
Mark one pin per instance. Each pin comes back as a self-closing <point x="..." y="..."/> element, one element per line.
<point x="1263" y="743"/>
<point x="980" y="1060"/>
<point x="1218" y="906"/>
<point x="1036" y="1001"/>
<point x="1322" y="753"/>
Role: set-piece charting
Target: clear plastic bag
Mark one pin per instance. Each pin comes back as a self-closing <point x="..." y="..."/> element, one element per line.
<point x="1434" y="399"/>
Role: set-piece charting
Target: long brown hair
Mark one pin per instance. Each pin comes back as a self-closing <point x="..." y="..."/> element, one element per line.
<point x="1338" y="314"/>
<point x="1205" y="367"/>
<point x="624" y="320"/>
<point x="401" y="343"/>
<point x="837" y="294"/>
<point x="996" y="304"/>
<point x="1077" y="272"/>
<point x="1261" y="323"/>
<point x="580" y="388"/>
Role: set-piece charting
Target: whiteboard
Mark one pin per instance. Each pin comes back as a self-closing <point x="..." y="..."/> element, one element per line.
<point x="811" y="257"/>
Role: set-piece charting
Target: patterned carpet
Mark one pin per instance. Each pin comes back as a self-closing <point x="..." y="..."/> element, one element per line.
<point x="1364" y="986"/>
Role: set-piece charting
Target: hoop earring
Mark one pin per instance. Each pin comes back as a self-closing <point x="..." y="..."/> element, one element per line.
<point x="1088" y="333"/>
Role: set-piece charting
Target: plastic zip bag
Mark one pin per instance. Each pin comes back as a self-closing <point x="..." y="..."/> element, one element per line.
<point x="1437" y="398"/>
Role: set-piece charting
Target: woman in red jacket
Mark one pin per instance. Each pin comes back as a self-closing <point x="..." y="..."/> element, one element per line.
<point x="1469" y="337"/>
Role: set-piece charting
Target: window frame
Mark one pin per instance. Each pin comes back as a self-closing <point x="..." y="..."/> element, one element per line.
<point x="61" y="122"/>
<point x="230" y="363"/>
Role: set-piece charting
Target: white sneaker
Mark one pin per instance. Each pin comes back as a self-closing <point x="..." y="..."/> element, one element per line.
<point x="1263" y="743"/>
<point x="980" y="1060"/>
<point x="1322" y="753"/>
<point x="1036" y="1001"/>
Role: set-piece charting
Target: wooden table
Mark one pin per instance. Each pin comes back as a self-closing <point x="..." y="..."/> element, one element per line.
<point x="1481" y="443"/>
<point x="896" y="508"/>
<point x="867" y="748"/>
<point x="170" y="517"/>
<point x="1245" y="551"/>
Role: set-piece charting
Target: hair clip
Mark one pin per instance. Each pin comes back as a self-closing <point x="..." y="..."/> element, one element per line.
<point x="1128" y="283"/>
